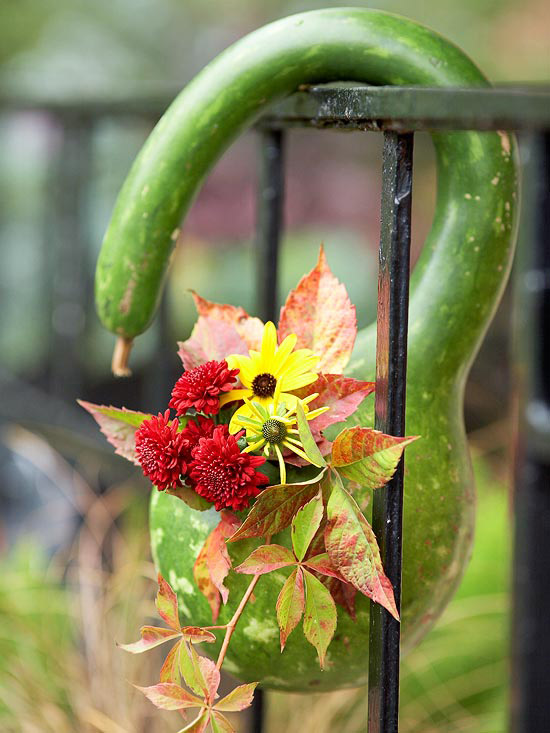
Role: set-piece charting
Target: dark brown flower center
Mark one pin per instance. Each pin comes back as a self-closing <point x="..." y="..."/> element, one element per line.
<point x="264" y="385"/>
<point x="274" y="431"/>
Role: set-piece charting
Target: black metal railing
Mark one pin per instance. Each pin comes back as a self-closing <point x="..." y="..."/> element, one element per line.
<point x="398" y="113"/>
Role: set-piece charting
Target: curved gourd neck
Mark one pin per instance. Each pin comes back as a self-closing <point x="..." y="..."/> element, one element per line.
<point x="464" y="264"/>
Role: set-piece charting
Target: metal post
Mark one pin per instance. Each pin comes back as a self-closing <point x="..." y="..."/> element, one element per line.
<point x="530" y="700"/>
<point x="391" y="366"/>
<point x="269" y="225"/>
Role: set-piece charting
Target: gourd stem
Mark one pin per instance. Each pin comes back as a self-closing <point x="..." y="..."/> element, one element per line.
<point x="121" y="356"/>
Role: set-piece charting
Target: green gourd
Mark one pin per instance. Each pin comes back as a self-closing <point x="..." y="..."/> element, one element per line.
<point x="455" y="289"/>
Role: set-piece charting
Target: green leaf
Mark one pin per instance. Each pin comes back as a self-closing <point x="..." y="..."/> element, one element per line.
<point x="198" y="725"/>
<point x="190" y="669"/>
<point x="238" y="699"/>
<point x="275" y="507"/>
<point x="319" y="616"/>
<point x="305" y="524"/>
<point x="119" y="426"/>
<point x="190" y="497"/>
<point x="168" y="696"/>
<point x="368" y="456"/>
<point x="265" y="559"/>
<point x="306" y="438"/>
<point x="220" y="724"/>
<point x="290" y="604"/>
<point x="167" y="604"/>
<point x="151" y="636"/>
<point x="353" y="548"/>
<point x="323" y="564"/>
<point x="170" y="670"/>
<point x="209" y="676"/>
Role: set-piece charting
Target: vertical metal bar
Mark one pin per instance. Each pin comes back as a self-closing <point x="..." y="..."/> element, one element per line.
<point x="269" y="224"/>
<point x="268" y="238"/>
<point x="391" y="367"/>
<point x="530" y="700"/>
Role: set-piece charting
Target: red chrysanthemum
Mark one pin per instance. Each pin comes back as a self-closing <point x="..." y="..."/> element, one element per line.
<point x="222" y="474"/>
<point x="202" y="386"/>
<point x="197" y="428"/>
<point x="161" y="451"/>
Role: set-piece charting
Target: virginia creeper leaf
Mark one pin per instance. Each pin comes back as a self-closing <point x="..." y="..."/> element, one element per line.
<point x="151" y="636"/>
<point x="319" y="616"/>
<point x="210" y="677"/>
<point x="275" y="507"/>
<point x="342" y="592"/>
<point x="249" y="328"/>
<point x="290" y="604"/>
<point x="220" y="724"/>
<point x="353" y="548"/>
<point x="196" y="635"/>
<point x="368" y="456"/>
<point x="305" y="524"/>
<point x="168" y="696"/>
<point x="320" y="313"/>
<point x="198" y="725"/>
<point x="323" y="564"/>
<point x="306" y="438"/>
<point x="119" y="426"/>
<point x="167" y="604"/>
<point x="238" y="699"/>
<point x="265" y="559"/>
<point x="190" y="497"/>
<point x="210" y="339"/>
<point x="190" y="669"/>
<point x="170" y="670"/>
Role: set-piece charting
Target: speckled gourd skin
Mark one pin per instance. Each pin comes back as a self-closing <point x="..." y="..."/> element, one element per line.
<point x="454" y="291"/>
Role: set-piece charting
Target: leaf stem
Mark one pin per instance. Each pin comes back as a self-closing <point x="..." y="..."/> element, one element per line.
<point x="230" y="627"/>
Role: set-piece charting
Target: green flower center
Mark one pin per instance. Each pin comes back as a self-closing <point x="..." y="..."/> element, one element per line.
<point x="264" y="385"/>
<point x="274" y="431"/>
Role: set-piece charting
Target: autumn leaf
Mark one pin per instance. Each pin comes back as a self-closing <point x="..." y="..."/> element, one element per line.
<point x="290" y="604"/>
<point x="343" y="594"/>
<point x="305" y="524"/>
<point x="275" y="507"/>
<point x="170" y="670"/>
<point x="169" y="696"/>
<point x="210" y="339"/>
<point x="322" y="564"/>
<point x="220" y="724"/>
<point x="119" y="426"/>
<point x="238" y="699"/>
<point x="190" y="669"/>
<point x="367" y="456"/>
<point x="265" y="559"/>
<point x="249" y="328"/>
<point x="306" y="438"/>
<point x="198" y="725"/>
<point x="320" y="313"/>
<point x="167" y="604"/>
<point x="213" y="562"/>
<point x="353" y="549"/>
<point x="190" y="497"/>
<point x="319" y="615"/>
<point x="151" y="636"/>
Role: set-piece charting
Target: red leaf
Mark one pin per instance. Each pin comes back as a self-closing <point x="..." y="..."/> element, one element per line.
<point x="167" y="604"/>
<point x="220" y="724"/>
<point x="353" y="549"/>
<point x="322" y="564"/>
<point x="305" y="524"/>
<point x="319" y="312"/>
<point x="275" y="507"/>
<point x="342" y="394"/>
<point x="368" y="456"/>
<point x="265" y="559"/>
<point x="119" y="426"/>
<point x="169" y="696"/>
<point x="198" y="725"/>
<point x="210" y="677"/>
<point x="196" y="635"/>
<point x="238" y="699"/>
<point x="170" y="670"/>
<point x="151" y="636"/>
<point x="250" y="329"/>
<point x="213" y="562"/>
<point x="319" y="616"/>
<point x="343" y="593"/>
<point x="290" y="604"/>
<point x="210" y="339"/>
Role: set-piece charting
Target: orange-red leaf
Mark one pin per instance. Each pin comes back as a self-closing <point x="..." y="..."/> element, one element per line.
<point x="322" y="564"/>
<point x="353" y="548"/>
<point x="249" y="328"/>
<point x="320" y="313"/>
<point x="238" y="699"/>
<point x="119" y="426"/>
<point x="210" y="339"/>
<point x="290" y="604"/>
<point x="168" y="696"/>
<point x="151" y="636"/>
<point x="275" y="507"/>
<point x="367" y="456"/>
<point x="196" y="635"/>
<point x="209" y="677"/>
<point x="265" y="559"/>
<point x="167" y="604"/>
<point x="319" y="616"/>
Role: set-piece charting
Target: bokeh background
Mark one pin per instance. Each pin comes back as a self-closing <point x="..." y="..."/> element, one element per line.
<point x="81" y="84"/>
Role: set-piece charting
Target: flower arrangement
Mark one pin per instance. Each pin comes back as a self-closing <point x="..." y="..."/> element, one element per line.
<point x="251" y="412"/>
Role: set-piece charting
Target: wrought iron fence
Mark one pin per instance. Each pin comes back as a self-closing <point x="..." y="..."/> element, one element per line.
<point x="397" y="113"/>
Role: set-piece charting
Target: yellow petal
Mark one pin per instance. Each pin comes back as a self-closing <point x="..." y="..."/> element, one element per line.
<point x="292" y="383"/>
<point x="269" y="341"/>
<point x="234" y="394"/>
<point x="283" y="352"/>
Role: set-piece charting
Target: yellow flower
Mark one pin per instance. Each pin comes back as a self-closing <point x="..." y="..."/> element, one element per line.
<point x="272" y="426"/>
<point x="273" y="369"/>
